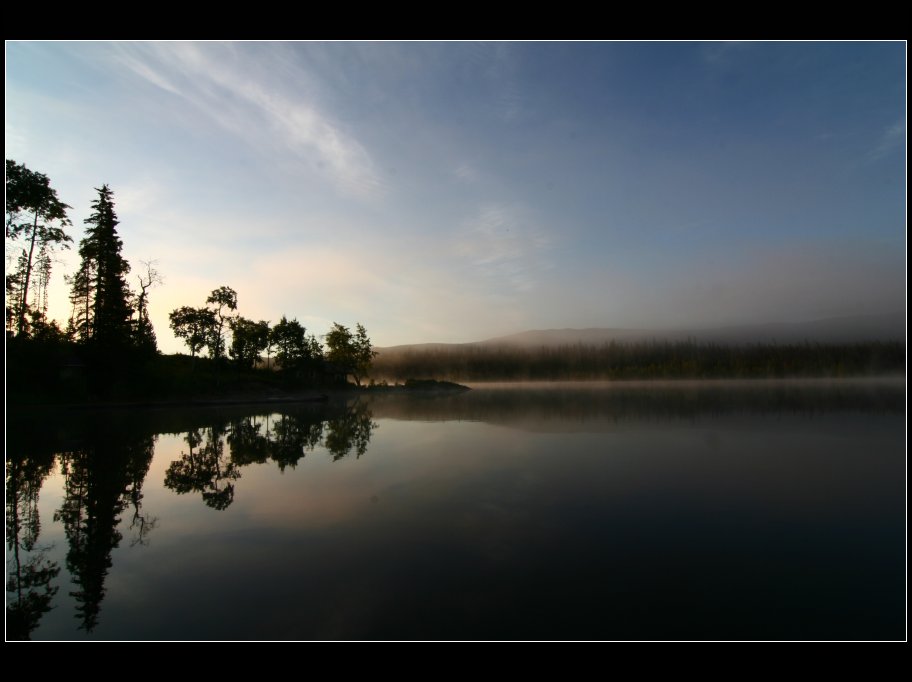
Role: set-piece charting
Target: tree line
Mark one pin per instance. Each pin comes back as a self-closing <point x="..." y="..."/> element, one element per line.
<point x="287" y="345"/>
<point x="644" y="360"/>
<point x="109" y="327"/>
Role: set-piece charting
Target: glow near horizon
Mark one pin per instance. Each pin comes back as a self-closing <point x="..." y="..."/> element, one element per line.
<point x="455" y="192"/>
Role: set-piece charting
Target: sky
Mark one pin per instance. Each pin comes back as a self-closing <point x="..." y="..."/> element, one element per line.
<point x="451" y="192"/>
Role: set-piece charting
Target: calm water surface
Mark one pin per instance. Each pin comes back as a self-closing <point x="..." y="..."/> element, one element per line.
<point x="688" y="511"/>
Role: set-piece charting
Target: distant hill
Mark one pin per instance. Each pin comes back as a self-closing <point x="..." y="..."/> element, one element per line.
<point x="882" y="327"/>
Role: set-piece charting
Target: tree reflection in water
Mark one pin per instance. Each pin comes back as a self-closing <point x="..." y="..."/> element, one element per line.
<point x="29" y="572"/>
<point x="103" y="478"/>
<point x="284" y="439"/>
<point x="350" y="431"/>
<point x="292" y="437"/>
<point x="100" y="482"/>
<point x="105" y="456"/>
<point x="208" y="470"/>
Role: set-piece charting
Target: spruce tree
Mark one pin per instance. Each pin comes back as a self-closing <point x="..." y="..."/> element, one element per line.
<point x="100" y="296"/>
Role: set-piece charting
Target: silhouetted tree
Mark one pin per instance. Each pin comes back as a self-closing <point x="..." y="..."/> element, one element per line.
<point x="196" y="326"/>
<point x="16" y="307"/>
<point x="43" y="272"/>
<point x="15" y="280"/>
<point x="350" y="352"/>
<point x="45" y="332"/>
<point x="295" y="350"/>
<point x="248" y="340"/>
<point x="224" y="299"/>
<point x="29" y="195"/>
<point x="143" y="332"/>
<point x="100" y="295"/>
<point x="289" y="341"/>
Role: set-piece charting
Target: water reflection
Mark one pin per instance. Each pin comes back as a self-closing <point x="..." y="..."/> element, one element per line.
<point x="103" y="461"/>
<point x="103" y="465"/>
<point x="29" y="571"/>
<point x="540" y="404"/>
<point x="101" y="480"/>
<point x="207" y="470"/>
<point x="350" y="431"/>
<point x="471" y="531"/>
<point x="285" y="439"/>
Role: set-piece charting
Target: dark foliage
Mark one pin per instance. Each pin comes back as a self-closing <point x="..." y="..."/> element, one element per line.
<point x="100" y="295"/>
<point x="32" y="208"/>
<point x="684" y="360"/>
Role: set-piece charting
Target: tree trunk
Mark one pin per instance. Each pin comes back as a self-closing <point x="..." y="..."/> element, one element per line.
<point x="28" y="274"/>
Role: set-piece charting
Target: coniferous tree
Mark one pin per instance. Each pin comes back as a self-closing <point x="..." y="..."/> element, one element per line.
<point x="15" y="279"/>
<point x="43" y="271"/>
<point x="100" y="295"/>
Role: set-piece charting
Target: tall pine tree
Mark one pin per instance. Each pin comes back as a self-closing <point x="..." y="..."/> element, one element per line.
<point x="100" y="295"/>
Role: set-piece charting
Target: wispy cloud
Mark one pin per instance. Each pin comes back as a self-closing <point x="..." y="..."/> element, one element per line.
<point x="139" y="198"/>
<point x="893" y="137"/>
<point x="501" y="72"/>
<point x="257" y="98"/>
<point x="466" y="172"/>
<point x="501" y="243"/>
<point x="144" y="70"/>
<point x="719" y="53"/>
<point x="16" y="141"/>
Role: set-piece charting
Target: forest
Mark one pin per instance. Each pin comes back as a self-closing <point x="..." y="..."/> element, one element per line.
<point x="642" y="360"/>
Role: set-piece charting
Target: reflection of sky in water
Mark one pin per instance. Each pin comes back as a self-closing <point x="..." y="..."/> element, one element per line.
<point x="777" y="524"/>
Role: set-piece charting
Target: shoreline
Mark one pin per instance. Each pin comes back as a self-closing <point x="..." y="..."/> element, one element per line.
<point x="211" y="401"/>
<point x="327" y="395"/>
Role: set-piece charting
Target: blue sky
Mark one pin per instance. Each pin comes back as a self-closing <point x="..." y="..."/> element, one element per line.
<point x="459" y="191"/>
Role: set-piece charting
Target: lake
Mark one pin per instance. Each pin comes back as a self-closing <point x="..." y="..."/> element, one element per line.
<point x="689" y="510"/>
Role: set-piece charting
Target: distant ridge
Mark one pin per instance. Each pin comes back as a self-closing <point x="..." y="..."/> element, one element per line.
<point x="850" y="329"/>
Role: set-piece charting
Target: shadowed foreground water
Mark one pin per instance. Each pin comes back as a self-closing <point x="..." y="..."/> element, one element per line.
<point x="692" y="511"/>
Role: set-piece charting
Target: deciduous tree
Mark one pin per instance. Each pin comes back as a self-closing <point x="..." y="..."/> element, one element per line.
<point x="196" y="326"/>
<point x="352" y="353"/>
<point x="32" y="208"/>
<point x="295" y="350"/>
<point x="248" y="340"/>
<point x="144" y="334"/>
<point x="224" y="299"/>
